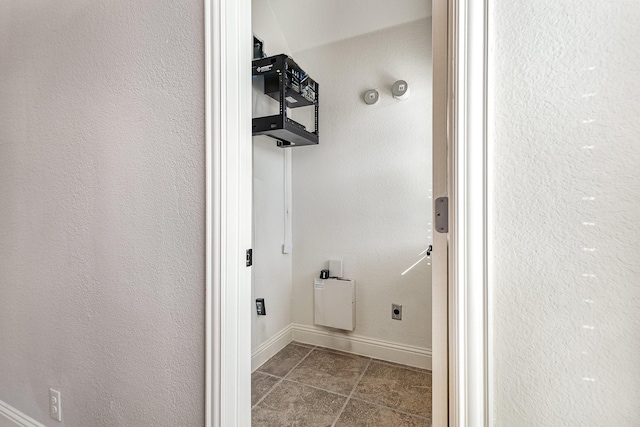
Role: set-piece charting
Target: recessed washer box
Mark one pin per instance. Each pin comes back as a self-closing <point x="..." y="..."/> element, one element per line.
<point x="335" y="303"/>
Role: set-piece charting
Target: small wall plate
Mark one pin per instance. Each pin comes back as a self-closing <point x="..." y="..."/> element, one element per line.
<point x="260" y="308"/>
<point x="396" y="311"/>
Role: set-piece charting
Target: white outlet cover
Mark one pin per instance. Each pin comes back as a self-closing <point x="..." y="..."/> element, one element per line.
<point x="55" y="405"/>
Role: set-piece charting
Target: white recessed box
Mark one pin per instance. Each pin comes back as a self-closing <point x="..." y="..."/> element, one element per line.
<point x="335" y="303"/>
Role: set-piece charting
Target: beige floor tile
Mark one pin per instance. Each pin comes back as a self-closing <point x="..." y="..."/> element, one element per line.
<point x="293" y="404"/>
<point x="260" y="385"/>
<point x="407" y="390"/>
<point x="330" y="370"/>
<point x="280" y="364"/>
<point x="361" y="414"/>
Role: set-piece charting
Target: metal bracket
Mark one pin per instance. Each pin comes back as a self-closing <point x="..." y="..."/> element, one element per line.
<point x="258" y="48"/>
<point x="442" y="214"/>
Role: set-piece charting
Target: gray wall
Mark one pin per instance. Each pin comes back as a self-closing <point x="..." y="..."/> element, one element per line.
<point x="566" y="212"/>
<point x="102" y="210"/>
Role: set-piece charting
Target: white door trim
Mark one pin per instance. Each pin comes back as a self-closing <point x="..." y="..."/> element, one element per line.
<point x="228" y="51"/>
<point x="228" y="142"/>
<point x="468" y="281"/>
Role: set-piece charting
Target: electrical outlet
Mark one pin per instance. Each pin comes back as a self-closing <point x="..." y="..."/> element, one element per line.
<point x="260" y="307"/>
<point x="396" y="311"/>
<point x="55" y="406"/>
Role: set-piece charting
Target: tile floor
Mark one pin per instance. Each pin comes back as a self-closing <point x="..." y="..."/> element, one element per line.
<point x="304" y="385"/>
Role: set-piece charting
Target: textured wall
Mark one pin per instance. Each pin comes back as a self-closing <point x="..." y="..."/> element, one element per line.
<point x="362" y="194"/>
<point x="102" y="210"/>
<point x="566" y="212"/>
<point x="271" y="268"/>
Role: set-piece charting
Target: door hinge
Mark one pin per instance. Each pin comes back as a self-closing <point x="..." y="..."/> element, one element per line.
<point x="249" y="257"/>
<point x="442" y="214"/>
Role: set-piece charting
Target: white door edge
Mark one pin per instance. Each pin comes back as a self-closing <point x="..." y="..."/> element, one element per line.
<point x="439" y="284"/>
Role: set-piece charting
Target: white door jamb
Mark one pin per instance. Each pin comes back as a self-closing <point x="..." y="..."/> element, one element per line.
<point x="228" y="53"/>
<point x="469" y="297"/>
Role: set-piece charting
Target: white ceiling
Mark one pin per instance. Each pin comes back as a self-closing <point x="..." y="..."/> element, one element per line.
<point x="311" y="23"/>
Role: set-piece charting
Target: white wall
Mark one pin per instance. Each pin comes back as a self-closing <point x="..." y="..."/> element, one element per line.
<point x="566" y="209"/>
<point x="102" y="211"/>
<point x="362" y="194"/>
<point x="311" y="23"/>
<point x="271" y="268"/>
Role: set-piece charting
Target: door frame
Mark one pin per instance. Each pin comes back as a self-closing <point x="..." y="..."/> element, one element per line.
<point x="461" y="341"/>
<point x="228" y="50"/>
<point x="469" y="135"/>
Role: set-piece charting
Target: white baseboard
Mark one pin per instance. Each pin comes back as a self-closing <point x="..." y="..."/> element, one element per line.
<point x="18" y="418"/>
<point x="269" y="348"/>
<point x="378" y="349"/>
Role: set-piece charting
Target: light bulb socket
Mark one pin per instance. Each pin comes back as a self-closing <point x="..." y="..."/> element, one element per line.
<point x="371" y="97"/>
<point x="400" y="90"/>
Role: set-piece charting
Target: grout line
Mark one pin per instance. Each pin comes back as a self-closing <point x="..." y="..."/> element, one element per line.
<point x="282" y="379"/>
<point x="351" y="394"/>
<point x="301" y="344"/>
<point x="317" y="388"/>
<point x="310" y="349"/>
<point x="422" y="417"/>
<point x="400" y="365"/>
<point x="267" y="393"/>
<point x="297" y="364"/>
<point x="270" y="375"/>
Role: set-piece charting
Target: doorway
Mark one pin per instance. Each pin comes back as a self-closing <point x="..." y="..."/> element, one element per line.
<point x="230" y="346"/>
<point x="362" y="197"/>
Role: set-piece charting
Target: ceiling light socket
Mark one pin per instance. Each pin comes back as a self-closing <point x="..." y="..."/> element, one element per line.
<point x="371" y="97"/>
<point x="400" y="90"/>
